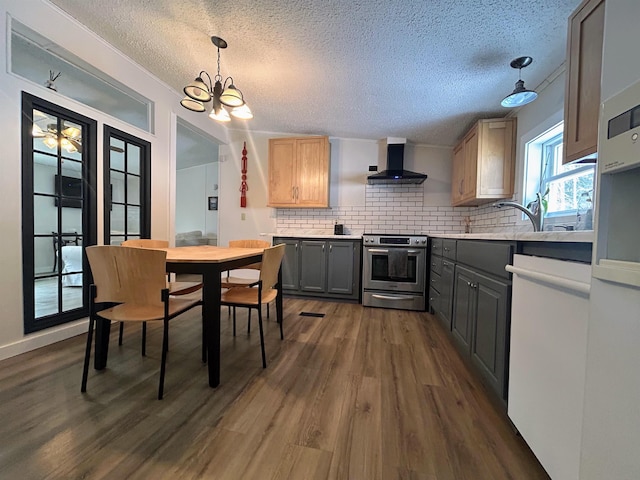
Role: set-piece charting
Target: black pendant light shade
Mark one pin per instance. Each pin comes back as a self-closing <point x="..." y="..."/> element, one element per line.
<point x="520" y="95"/>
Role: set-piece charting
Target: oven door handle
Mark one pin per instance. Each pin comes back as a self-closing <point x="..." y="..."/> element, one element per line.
<point x="394" y="297"/>
<point x="379" y="250"/>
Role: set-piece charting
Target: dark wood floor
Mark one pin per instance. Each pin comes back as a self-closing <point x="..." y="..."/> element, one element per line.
<point x="359" y="394"/>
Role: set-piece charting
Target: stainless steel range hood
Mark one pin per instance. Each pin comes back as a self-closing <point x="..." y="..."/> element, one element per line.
<point x="395" y="172"/>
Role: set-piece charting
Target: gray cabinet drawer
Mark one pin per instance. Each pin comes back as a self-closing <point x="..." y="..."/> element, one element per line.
<point x="488" y="256"/>
<point x="434" y="300"/>
<point x="436" y="281"/>
<point x="436" y="265"/>
<point x="436" y="246"/>
<point x="449" y="249"/>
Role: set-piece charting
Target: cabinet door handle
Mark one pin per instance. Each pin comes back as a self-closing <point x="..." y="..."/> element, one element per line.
<point x="446" y="249"/>
<point x="433" y="264"/>
<point x="297" y="192"/>
<point x="323" y="247"/>
<point x="445" y="264"/>
<point x="460" y="186"/>
<point x="330" y="248"/>
<point x="296" y="246"/>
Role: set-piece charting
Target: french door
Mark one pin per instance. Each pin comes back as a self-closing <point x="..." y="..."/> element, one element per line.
<point x="58" y="211"/>
<point x="127" y="187"/>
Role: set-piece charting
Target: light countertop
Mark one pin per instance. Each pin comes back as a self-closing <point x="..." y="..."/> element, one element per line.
<point x="313" y="234"/>
<point x="585" y="236"/>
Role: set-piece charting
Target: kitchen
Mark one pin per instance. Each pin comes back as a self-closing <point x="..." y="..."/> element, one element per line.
<point x="434" y="215"/>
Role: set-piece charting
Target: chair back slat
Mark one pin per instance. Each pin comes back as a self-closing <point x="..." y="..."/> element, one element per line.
<point x="126" y="274"/>
<point x="271" y="260"/>
<point x="145" y="243"/>
<point x="249" y="244"/>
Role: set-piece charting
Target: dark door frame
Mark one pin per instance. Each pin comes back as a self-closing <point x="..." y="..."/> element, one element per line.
<point x="89" y="211"/>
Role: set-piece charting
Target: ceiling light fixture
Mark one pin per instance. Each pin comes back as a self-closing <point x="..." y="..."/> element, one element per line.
<point x="520" y="95"/>
<point x="222" y="93"/>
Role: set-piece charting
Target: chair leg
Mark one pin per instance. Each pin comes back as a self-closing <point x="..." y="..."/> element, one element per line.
<point x="229" y="309"/>
<point x="281" y="322"/>
<point x="120" y="332"/>
<point x="165" y="348"/>
<point x="249" y="322"/>
<point x="144" y="339"/>
<point x="267" y="310"/>
<point x="87" y="354"/>
<point x="234" y="321"/>
<point x="264" y="357"/>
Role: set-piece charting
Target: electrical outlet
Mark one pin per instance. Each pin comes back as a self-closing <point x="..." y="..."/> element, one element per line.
<point x="243" y="216"/>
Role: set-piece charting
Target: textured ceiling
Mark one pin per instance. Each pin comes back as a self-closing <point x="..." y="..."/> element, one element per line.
<point x="424" y="70"/>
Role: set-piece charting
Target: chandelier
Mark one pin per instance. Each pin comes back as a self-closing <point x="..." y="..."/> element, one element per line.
<point x="221" y="93"/>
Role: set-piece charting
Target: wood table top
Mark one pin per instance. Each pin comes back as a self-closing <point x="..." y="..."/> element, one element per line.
<point x="208" y="254"/>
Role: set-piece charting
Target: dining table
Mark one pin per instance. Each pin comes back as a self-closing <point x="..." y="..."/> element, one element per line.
<point x="208" y="261"/>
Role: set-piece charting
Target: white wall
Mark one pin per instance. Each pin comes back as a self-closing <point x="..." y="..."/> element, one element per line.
<point x="52" y="23"/>
<point x="258" y="218"/>
<point x="193" y="187"/>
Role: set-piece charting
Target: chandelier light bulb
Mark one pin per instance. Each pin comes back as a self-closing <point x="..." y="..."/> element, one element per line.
<point x="224" y="93"/>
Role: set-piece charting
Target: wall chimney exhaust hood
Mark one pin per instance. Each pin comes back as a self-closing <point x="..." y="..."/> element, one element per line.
<point x="395" y="173"/>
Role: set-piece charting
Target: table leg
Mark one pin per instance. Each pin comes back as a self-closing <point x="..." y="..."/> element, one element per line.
<point x="211" y="314"/>
<point x="103" y="329"/>
<point x="279" y="297"/>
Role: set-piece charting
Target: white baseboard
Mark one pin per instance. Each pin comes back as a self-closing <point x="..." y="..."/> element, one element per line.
<point x="43" y="338"/>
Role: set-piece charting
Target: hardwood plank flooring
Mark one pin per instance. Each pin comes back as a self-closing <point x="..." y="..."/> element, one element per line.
<point x="360" y="393"/>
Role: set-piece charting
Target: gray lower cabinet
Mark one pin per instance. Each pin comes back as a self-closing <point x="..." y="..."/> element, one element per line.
<point x="489" y="335"/>
<point x="313" y="262"/>
<point x="289" y="263"/>
<point x="341" y="268"/>
<point x="441" y="279"/>
<point x="321" y="267"/>
<point x="480" y="307"/>
<point x="463" y="307"/>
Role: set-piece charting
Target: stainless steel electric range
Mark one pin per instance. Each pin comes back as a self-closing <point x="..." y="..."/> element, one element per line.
<point x="394" y="271"/>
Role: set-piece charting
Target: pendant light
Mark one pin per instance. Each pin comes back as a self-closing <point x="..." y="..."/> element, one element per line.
<point x="221" y="93"/>
<point x="520" y="95"/>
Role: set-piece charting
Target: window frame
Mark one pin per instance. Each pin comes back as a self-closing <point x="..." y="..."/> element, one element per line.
<point x="533" y="148"/>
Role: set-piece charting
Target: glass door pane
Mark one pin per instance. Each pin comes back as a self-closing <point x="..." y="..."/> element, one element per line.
<point x="57" y="165"/>
<point x="127" y="187"/>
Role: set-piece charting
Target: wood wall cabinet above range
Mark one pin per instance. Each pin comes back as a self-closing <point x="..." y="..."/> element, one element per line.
<point x="299" y="172"/>
<point x="484" y="163"/>
<point x="582" y="92"/>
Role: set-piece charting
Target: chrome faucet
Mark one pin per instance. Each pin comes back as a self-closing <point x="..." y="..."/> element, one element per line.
<point x="534" y="211"/>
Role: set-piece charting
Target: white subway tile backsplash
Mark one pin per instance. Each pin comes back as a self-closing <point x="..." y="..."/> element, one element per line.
<point x="399" y="209"/>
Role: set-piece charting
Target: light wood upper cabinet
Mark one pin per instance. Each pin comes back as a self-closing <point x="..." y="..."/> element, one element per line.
<point x="582" y="93"/>
<point x="299" y="172"/>
<point x="457" y="174"/>
<point x="484" y="163"/>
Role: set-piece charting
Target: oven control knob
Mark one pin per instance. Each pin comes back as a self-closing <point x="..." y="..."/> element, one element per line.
<point x="416" y="241"/>
<point x="424" y="240"/>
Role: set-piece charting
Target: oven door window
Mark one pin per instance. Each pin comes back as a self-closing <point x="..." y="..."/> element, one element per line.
<point x="380" y="269"/>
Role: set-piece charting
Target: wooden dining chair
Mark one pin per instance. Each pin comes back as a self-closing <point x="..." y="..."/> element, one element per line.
<point x="258" y="293"/>
<point x="134" y="279"/>
<point x="175" y="288"/>
<point x="230" y="280"/>
<point x="234" y="278"/>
